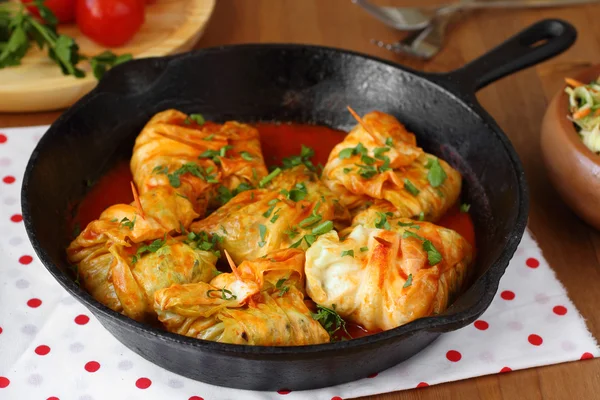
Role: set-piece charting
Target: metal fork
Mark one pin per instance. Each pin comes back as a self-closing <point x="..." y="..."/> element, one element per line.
<point x="426" y="43"/>
<point x="416" y="18"/>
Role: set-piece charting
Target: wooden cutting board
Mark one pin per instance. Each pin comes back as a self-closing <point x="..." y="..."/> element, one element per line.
<point x="171" y="26"/>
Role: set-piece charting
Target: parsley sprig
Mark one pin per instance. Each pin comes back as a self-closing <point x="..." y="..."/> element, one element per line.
<point x="19" y="30"/>
<point x="187" y="168"/>
<point x="306" y="153"/>
<point x="433" y="255"/>
<point x="149" y="248"/>
<point x="202" y="241"/>
<point x="330" y="320"/>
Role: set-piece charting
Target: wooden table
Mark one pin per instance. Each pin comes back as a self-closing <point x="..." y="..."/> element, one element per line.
<point x="517" y="103"/>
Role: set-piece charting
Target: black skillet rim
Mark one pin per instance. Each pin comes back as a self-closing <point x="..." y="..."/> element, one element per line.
<point x="490" y="279"/>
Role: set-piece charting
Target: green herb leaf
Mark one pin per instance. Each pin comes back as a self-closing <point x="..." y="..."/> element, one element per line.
<point x="464" y="208"/>
<point x="346" y="170"/>
<point x="382" y="222"/>
<point x="152" y="248"/>
<point x="322" y="228"/>
<point x="367" y="160"/>
<point x="197" y="118"/>
<point x="408" y="281"/>
<point x="309" y="221"/>
<point x="347" y="253"/>
<point x="433" y="255"/>
<point x="292" y="232"/>
<point x="421" y="216"/>
<point x="389" y="141"/>
<point x="329" y="319"/>
<point x="264" y="181"/>
<point x="267" y="213"/>
<point x="363" y="249"/>
<point x="409" y="225"/>
<point x="306" y="153"/>
<point x="282" y="289"/>
<point x="262" y="230"/>
<point x="225" y="294"/>
<point x="346" y="153"/>
<point x="410" y="188"/>
<point x="411" y="234"/>
<point x="436" y="175"/>
<point x="246" y="156"/>
<point x="127" y="223"/>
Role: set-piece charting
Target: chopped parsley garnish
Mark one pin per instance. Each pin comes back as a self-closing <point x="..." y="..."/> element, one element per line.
<point x="292" y="232"/>
<point x="363" y="249"/>
<point x="367" y="160"/>
<point x="224" y="294"/>
<point x="263" y="182"/>
<point x="322" y="228"/>
<point x="306" y="153"/>
<point x="408" y="225"/>
<point x="282" y="289"/>
<point x="433" y="255"/>
<point x="197" y="118"/>
<point x="187" y="168"/>
<point x="269" y="211"/>
<point x="464" y="208"/>
<point x="224" y="194"/>
<point x="329" y="319"/>
<point x="209" y="137"/>
<point x="309" y="221"/>
<point x="410" y="188"/>
<point x="262" y="230"/>
<point x="201" y="241"/>
<point x="128" y="223"/>
<point x="353" y="151"/>
<point x="275" y="216"/>
<point x="346" y="170"/>
<point x="436" y="175"/>
<point x="382" y="222"/>
<point x="380" y="151"/>
<point x="159" y="169"/>
<point x="215" y="154"/>
<point x="366" y="171"/>
<point x="421" y="216"/>
<point x="347" y="253"/>
<point x="152" y="248"/>
<point x="298" y="193"/>
<point x="408" y="281"/>
<point x="181" y="195"/>
<point x="246" y="156"/>
<point x="389" y="141"/>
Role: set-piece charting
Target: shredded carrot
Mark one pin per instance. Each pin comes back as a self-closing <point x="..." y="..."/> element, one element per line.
<point x="584" y="112"/>
<point x="573" y="82"/>
<point x="233" y="266"/>
<point x="136" y="198"/>
<point x="361" y="122"/>
<point x="382" y="241"/>
<point x="597" y="113"/>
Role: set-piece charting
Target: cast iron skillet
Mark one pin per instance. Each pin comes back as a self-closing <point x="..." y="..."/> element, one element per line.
<point x="302" y="84"/>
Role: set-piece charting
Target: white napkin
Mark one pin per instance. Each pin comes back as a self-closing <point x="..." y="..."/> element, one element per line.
<point x="52" y="348"/>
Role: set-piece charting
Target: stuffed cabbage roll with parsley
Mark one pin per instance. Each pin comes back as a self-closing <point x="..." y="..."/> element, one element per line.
<point x="379" y="159"/>
<point x="197" y="158"/>
<point x="292" y="210"/>
<point x="260" y="303"/>
<point x="389" y="271"/>
<point x="124" y="276"/>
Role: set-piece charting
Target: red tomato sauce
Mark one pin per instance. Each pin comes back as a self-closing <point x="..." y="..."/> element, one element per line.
<point x="278" y="140"/>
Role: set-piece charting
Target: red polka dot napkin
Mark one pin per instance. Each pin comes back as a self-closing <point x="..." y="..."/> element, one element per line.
<point x="52" y="348"/>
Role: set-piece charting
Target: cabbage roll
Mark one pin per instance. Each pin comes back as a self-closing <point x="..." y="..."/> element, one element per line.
<point x="389" y="271"/>
<point x="291" y="211"/>
<point x="261" y="303"/>
<point x="197" y="158"/>
<point x="123" y="274"/>
<point x="383" y="162"/>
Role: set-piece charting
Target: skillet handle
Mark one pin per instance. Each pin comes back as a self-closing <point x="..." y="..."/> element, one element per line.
<point x="535" y="44"/>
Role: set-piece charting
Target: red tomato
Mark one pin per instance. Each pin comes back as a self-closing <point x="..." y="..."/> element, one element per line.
<point x="63" y="9"/>
<point x="111" y="23"/>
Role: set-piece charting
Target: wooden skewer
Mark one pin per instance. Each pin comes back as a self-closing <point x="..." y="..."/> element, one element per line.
<point x="361" y="122"/>
<point x="232" y="265"/>
<point x="136" y="198"/>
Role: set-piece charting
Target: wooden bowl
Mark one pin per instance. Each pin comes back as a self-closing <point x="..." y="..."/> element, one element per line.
<point x="171" y="26"/>
<point x="573" y="168"/>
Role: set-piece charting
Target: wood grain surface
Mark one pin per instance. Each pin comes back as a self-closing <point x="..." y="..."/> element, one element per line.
<point x="517" y="103"/>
